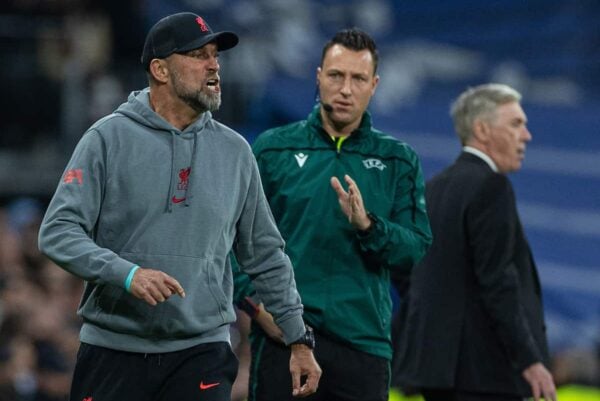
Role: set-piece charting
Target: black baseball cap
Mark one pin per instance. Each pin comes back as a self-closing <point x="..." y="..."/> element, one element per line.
<point x="182" y="32"/>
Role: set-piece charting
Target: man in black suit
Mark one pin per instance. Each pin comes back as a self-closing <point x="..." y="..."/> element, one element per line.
<point x="473" y="324"/>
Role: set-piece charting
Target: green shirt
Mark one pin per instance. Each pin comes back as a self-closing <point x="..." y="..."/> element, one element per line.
<point x="344" y="276"/>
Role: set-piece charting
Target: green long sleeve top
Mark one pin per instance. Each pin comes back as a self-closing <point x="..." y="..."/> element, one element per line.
<point x="343" y="276"/>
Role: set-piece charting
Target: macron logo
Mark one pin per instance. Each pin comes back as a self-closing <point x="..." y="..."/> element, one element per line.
<point x="301" y="158"/>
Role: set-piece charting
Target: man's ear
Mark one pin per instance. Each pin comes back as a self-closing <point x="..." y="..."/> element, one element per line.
<point x="159" y="70"/>
<point x="375" y="83"/>
<point x="318" y="75"/>
<point x="481" y="130"/>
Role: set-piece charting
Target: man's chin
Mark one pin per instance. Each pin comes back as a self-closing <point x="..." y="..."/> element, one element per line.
<point x="341" y="119"/>
<point x="213" y="104"/>
<point x="204" y="103"/>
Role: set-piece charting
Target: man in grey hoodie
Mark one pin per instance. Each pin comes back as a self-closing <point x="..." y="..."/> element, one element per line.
<point x="154" y="198"/>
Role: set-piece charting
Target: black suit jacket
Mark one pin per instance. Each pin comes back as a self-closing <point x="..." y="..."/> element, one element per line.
<point x="473" y="317"/>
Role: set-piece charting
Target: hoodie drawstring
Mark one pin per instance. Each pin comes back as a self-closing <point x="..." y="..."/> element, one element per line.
<point x="171" y="181"/>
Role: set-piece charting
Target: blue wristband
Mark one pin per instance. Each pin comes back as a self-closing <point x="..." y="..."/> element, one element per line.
<point x="130" y="277"/>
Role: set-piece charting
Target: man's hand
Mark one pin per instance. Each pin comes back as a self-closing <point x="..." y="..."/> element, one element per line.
<point x="351" y="203"/>
<point x="303" y="363"/>
<point x="154" y="286"/>
<point x="266" y="322"/>
<point x="541" y="382"/>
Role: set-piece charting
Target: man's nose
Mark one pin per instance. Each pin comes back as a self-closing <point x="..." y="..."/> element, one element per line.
<point x="213" y="64"/>
<point x="526" y="135"/>
<point x="346" y="87"/>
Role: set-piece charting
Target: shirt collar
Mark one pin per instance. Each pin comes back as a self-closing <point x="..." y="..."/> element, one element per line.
<point x="482" y="156"/>
<point x="365" y="126"/>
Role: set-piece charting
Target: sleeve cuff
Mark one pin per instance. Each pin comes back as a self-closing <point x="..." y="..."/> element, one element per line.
<point x="129" y="278"/>
<point x="292" y="328"/>
<point x="376" y="226"/>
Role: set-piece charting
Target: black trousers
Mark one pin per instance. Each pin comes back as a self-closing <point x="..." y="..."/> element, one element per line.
<point x="348" y="374"/>
<point x="202" y="373"/>
<point x="454" y="395"/>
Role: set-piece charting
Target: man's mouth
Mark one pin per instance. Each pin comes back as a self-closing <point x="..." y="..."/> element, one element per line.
<point x="343" y="105"/>
<point x="213" y="84"/>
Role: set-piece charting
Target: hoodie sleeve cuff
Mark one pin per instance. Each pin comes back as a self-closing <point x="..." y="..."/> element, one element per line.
<point x="119" y="272"/>
<point x="292" y="328"/>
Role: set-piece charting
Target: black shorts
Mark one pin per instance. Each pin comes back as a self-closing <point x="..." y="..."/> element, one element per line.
<point x="348" y="374"/>
<point x="202" y="373"/>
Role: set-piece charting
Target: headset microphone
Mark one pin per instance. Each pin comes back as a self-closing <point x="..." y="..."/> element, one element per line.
<point x="327" y="107"/>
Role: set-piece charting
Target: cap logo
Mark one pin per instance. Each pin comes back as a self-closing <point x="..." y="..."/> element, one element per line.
<point x="202" y="24"/>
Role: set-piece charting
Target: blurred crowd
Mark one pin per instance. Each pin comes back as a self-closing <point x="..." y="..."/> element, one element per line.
<point x="38" y="324"/>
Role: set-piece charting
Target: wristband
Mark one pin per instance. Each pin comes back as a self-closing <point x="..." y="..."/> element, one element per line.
<point x="130" y="277"/>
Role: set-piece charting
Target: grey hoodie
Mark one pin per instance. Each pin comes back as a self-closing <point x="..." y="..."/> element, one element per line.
<point x="138" y="191"/>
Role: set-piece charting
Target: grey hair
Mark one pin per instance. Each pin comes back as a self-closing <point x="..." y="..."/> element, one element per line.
<point x="479" y="103"/>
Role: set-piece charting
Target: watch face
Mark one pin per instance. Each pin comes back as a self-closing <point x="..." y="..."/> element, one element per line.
<point x="307" y="339"/>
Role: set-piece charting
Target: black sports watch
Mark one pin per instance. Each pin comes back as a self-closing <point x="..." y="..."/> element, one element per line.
<point x="307" y="339"/>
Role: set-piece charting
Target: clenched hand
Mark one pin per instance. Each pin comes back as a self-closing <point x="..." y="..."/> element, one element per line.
<point x="303" y="363"/>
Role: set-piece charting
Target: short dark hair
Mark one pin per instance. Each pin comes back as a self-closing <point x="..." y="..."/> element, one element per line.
<point x="353" y="39"/>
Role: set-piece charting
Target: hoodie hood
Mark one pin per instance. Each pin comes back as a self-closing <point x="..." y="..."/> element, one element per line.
<point x="138" y="108"/>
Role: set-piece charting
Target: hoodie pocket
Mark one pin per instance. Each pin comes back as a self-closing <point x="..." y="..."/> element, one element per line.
<point x="207" y="305"/>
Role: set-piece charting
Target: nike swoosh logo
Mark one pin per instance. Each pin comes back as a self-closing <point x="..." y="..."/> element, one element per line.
<point x="208" y="385"/>
<point x="177" y="200"/>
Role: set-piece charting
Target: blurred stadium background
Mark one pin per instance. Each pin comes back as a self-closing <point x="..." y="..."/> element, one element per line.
<point x="66" y="63"/>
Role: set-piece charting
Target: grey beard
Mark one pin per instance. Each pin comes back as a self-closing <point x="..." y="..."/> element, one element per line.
<point x="201" y="101"/>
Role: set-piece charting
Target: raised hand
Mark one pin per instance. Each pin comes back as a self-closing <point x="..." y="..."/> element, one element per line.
<point x="351" y="203"/>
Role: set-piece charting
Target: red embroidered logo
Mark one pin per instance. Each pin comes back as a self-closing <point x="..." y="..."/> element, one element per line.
<point x="202" y="24"/>
<point x="73" y="174"/>
<point x="184" y="177"/>
<point x="208" y="385"/>
<point x="182" y="185"/>
<point x="87" y="399"/>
